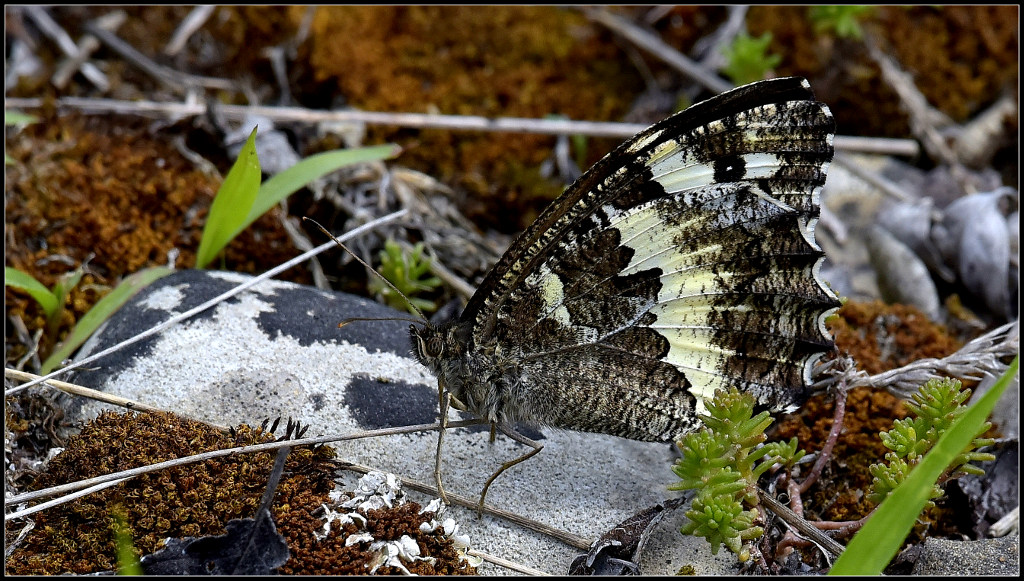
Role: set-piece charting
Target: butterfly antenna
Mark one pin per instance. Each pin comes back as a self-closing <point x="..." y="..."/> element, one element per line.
<point x="354" y="319"/>
<point x="422" y="319"/>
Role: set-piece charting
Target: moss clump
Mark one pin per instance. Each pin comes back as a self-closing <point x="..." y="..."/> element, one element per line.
<point x="190" y="501"/>
<point x="512" y="61"/>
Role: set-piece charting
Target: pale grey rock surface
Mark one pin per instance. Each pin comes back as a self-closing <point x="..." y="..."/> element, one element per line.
<point x="985" y="557"/>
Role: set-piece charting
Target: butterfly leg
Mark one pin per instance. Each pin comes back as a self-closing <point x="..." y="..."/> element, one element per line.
<point x="445" y="402"/>
<point x="511" y="433"/>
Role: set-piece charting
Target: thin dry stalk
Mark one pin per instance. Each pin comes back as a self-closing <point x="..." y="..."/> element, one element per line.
<point x="568" y="538"/>
<point x="825" y="542"/>
<point x="50" y="28"/>
<point x="975" y="360"/>
<point x="878" y="145"/>
<point x="172" y="79"/>
<point x="124" y="474"/>
<point x="657" y="47"/>
<point x="191" y="23"/>
<point x="79" y="390"/>
<point x="511" y="565"/>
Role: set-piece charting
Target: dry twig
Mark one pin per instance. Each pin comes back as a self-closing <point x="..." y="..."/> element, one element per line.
<point x="193" y="22"/>
<point x="73" y="389"/>
<point x="72" y="486"/>
<point x="658" y="48"/>
<point x="980" y="357"/>
<point x="879" y="145"/>
<point x="568" y="538"/>
<point x="172" y="79"/>
<point x="50" y="28"/>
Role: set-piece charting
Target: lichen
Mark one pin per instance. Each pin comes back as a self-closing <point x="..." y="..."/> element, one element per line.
<point x="374" y="530"/>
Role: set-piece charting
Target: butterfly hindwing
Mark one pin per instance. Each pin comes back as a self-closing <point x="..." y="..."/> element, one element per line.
<point x="682" y="262"/>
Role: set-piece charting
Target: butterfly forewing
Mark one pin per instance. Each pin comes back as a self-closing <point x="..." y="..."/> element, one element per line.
<point x="682" y="262"/>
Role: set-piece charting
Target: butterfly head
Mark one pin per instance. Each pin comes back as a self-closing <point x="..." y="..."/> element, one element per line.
<point x="433" y="344"/>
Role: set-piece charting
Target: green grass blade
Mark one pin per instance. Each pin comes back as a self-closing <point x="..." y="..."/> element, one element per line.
<point x="877" y="543"/>
<point x="67" y="282"/>
<point x="17" y="117"/>
<point x="232" y="203"/>
<point x="100" y="312"/>
<point x="290" y="180"/>
<point x="26" y="282"/>
<point x="127" y="562"/>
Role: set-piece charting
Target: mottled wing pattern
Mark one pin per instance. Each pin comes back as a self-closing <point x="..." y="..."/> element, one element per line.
<point x="684" y="261"/>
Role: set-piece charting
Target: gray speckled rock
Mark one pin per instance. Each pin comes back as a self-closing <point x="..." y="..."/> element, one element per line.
<point x="276" y="350"/>
<point x="975" y="558"/>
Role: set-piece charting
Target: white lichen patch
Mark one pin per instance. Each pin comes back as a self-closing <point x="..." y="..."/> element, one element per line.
<point x="393" y="553"/>
<point x="379" y="490"/>
<point x="376" y="490"/>
<point x="166" y="298"/>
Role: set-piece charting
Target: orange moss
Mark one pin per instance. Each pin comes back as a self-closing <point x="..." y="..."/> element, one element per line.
<point x="881" y="337"/>
<point x="514" y="61"/>
<point x="103" y="189"/>
<point x="193" y="500"/>
<point x="961" y="58"/>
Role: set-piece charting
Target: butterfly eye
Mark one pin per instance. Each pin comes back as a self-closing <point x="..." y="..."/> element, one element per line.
<point x="434" y="346"/>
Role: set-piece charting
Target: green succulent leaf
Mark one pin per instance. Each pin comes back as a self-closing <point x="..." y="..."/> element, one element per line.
<point x="722" y="462"/>
<point x="408" y="271"/>
<point x="874" y="546"/>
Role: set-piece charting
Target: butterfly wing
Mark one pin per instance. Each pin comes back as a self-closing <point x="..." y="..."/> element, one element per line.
<point x="682" y="262"/>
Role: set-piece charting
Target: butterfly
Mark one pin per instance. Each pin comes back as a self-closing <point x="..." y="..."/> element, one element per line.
<point x="683" y="262"/>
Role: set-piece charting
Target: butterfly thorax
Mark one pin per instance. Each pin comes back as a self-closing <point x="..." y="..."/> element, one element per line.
<point x="478" y="376"/>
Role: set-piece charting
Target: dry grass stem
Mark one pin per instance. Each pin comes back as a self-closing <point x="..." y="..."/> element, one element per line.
<point x="878" y="145"/>
<point x="980" y="357"/>
<point x="52" y="491"/>
<point x="566" y="537"/>
<point x="657" y="47"/>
